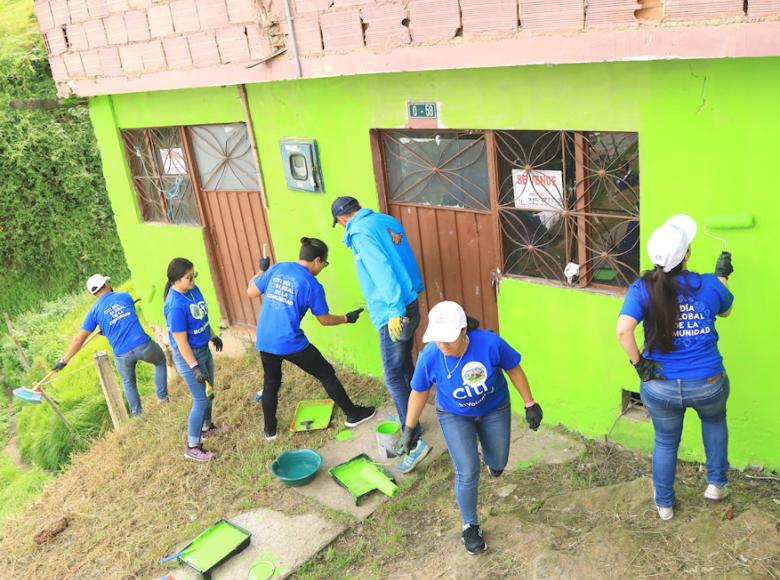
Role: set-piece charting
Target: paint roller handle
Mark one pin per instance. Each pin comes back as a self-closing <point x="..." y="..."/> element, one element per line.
<point x="172" y="557"/>
<point x="724" y="267"/>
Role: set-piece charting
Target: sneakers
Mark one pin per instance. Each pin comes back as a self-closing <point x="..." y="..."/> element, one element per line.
<point x="665" y="513"/>
<point x="494" y="472"/>
<point x="715" y="493"/>
<point x="270" y="435"/>
<point x="361" y="415"/>
<point x="414" y="456"/>
<point x="197" y="453"/>
<point x="473" y="539"/>
<point x="214" y="430"/>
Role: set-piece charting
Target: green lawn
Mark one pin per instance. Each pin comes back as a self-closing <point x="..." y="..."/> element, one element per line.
<point x="18" y="28"/>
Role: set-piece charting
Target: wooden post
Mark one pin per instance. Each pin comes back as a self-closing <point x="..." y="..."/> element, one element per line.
<point x="23" y="356"/>
<point x="114" y="399"/>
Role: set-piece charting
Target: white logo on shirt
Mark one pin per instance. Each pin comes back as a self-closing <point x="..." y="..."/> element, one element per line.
<point x="474" y="376"/>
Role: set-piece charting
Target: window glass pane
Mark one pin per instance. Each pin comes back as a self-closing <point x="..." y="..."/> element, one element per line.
<point x="613" y="250"/>
<point x="440" y="168"/>
<point x="224" y="157"/>
<point x="613" y="172"/>
<point x="142" y="169"/>
<point x="174" y="176"/>
<point x="536" y="196"/>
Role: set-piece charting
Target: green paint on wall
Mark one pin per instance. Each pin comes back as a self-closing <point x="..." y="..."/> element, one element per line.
<point x="706" y="134"/>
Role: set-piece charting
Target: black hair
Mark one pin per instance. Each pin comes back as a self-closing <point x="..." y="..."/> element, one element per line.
<point x="312" y="248"/>
<point x="664" y="308"/>
<point x="471" y="323"/>
<point x="177" y="268"/>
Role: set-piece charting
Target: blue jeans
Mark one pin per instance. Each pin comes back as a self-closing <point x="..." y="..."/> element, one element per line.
<point x="460" y="434"/>
<point x="666" y="401"/>
<point x="149" y="352"/>
<point x="200" y="414"/>
<point x="397" y="363"/>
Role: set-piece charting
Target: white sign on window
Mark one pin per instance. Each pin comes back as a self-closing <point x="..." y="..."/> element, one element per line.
<point x="173" y="161"/>
<point x="538" y="189"/>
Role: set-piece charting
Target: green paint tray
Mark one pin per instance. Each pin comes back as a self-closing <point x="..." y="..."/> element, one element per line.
<point x="360" y="476"/>
<point x="312" y="415"/>
<point x="218" y="543"/>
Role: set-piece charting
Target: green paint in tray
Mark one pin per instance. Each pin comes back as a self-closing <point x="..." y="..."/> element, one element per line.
<point x="215" y="545"/>
<point x="312" y="415"/>
<point x="360" y="476"/>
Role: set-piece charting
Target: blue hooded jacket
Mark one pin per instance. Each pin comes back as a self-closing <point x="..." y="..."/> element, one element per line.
<point x="386" y="268"/>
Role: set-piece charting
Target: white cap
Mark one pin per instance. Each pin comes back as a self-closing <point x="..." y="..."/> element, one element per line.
<point x="669" y="243"/>
<point x="445" y="321"/>
<point x="96" y="282"/>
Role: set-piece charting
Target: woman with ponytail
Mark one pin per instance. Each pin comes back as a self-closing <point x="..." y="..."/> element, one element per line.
<point x="289" y="290"/>
<point x="679" y="365"/>
<point x="189" y="331"/>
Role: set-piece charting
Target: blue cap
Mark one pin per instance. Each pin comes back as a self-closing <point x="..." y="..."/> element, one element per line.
<point x="343" y="205"/>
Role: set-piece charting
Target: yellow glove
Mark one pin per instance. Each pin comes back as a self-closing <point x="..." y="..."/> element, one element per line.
<point x="395" y="327"/>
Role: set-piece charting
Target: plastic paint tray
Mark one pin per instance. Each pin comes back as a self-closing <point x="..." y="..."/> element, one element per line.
<point x="360" y="476"/>
<point x="312" y="415"/>
<point x="219" y="542"/>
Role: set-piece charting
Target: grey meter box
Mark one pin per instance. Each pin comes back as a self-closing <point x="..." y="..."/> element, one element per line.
<point x="301" y="164"/>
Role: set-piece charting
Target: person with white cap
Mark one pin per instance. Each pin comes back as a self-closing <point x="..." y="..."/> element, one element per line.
<point x="467" y="365"/>
<point x="680" y="365"/>
<point x="114" y="313"/>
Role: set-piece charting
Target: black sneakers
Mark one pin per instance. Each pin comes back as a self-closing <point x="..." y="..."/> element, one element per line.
<point x="361" y="415"/>
<point x="270" y="435"/>
<point x="494" y="472"/>
<point x="473" y="540"/>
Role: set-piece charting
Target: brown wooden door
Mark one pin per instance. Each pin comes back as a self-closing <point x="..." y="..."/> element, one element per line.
<point x="438" y="185"/>
<point x="237" y="232"/>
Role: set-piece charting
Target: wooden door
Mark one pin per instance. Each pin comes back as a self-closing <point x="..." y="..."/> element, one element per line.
<point x="234" y="216"/>
<point x="438" y="185"/>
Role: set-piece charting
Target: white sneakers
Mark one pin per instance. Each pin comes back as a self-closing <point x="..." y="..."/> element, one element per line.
<point x="665" y="513"/>
<point x="712" y="492"/>
<point x="715" y="493"/>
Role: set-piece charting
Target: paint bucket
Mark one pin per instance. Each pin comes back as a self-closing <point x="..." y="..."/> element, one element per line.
<point x="388" y="434"/>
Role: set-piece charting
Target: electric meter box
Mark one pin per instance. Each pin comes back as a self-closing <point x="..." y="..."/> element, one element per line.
<point x="302" y="165"/>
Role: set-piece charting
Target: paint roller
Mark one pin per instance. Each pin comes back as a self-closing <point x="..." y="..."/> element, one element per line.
<point x="736" y="221"/>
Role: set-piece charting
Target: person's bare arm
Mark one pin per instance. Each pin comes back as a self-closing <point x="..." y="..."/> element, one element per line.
<point x="414" y="409"/>
<point x="251" y="289"/>
<point x="520" y="381"/>
<point x="625" y="335"/>
<point x="332" y="319"/>
<point x="76" y="344"/>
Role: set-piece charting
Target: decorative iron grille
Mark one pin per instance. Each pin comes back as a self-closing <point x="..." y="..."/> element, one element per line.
<point x="437" y="168"/>
<point x="569" y="197"/>
<point x="161" y="177"/>
<point x="224" y="157"/>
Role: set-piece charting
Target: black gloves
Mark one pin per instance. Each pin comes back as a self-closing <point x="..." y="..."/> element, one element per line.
<point x="405" y="444"/>
<point x="648" y="369"/>
<point x="200" y="374"/>
<point x="353" y="316"/>
<point x="217" y="341"/>
<point x="723" y="267"/>
<point x="264" y="264"/>
<point x="533" y="416"/>
<point x="59" y="365"/>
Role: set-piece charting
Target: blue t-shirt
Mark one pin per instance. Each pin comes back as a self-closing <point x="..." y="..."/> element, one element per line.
<point x="289" y="290"/>
<point x="695" y="352"/>
<point x="114" y="313"/>
<point x="477" y="384"/>
<point x="187" y="313"/>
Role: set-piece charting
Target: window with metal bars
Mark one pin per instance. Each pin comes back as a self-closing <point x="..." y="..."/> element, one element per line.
<point x="569" y="197"/>
<point x="161" y="175"/>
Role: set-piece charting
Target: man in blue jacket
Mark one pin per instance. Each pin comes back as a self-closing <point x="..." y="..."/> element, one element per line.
<point x="391" y="281"/>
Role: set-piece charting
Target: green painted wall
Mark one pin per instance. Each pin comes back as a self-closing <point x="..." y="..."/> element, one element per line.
<point x="706" y="143"/>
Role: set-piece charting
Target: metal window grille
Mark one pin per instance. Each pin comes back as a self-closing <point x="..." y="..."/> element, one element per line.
<point x="224" y="157"/>
<point x="569" y="197"/>
<point x="161" y="175"/>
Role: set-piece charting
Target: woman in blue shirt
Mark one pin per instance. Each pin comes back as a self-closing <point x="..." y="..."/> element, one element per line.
<point x="290" y="290"/>
<point x="189" y="331"/>
<point x="467" y="367"/>
<point x="680" y="365"/>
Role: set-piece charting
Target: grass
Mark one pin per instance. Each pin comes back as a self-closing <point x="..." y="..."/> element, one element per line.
<point x="18" y="28"/>
<point x="18" y="487"/>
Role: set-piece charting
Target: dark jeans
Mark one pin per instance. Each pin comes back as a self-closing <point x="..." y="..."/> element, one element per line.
<point x="398" y="365"/>
<point x="309" y="360"/>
